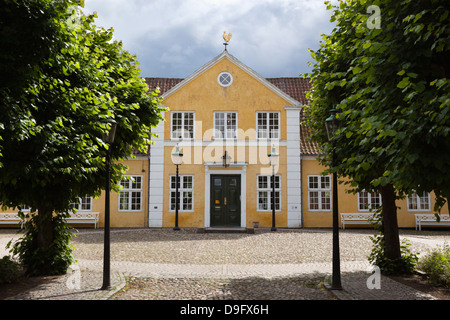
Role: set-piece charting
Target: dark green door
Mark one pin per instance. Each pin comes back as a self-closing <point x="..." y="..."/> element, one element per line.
<point x="225" y="201"/>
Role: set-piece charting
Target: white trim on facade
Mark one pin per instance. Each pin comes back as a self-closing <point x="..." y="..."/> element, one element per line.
<point x="209" y="170"/>
<point x="293" y="163"/>
<point x="156" y="179"/>
<point x="239" y="64"/>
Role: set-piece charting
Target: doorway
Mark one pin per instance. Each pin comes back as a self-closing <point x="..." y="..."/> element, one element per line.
<point x="225" y="200"/>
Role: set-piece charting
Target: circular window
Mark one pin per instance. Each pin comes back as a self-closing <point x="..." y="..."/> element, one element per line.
<point x="225" y="79"/>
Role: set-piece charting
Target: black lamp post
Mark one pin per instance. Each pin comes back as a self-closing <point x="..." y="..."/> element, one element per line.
<point x="273" y="157"/>
<point x="109" y="139"/>
<point x="332" y="124"/>
<point x="177" y="157"/>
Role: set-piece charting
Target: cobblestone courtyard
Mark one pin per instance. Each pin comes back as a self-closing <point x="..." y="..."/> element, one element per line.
<point x="161" y="264"/>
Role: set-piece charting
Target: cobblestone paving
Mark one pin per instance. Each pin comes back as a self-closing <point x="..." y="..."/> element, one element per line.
<point x="168" y="265"/>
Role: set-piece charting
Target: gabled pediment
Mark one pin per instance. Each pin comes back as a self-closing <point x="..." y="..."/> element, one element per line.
<point x="225" y="55"/>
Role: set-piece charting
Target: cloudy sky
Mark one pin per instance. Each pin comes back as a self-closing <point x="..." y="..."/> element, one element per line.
<point x="173" y="38"/>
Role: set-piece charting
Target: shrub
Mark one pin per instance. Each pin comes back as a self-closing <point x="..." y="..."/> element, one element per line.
<point x="52" y="260"/>
<point x="407" y="262"/>
<point x="10" y="270"/>
<point x="405" y="265"/>
<point x="436" y="265"/>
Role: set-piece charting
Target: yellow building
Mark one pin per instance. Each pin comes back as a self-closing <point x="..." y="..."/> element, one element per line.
<point x="225" y="109"/>
<point x="226" y="119"/>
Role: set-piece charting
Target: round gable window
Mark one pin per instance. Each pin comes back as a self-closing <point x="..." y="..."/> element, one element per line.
<point x="225" y="79"/>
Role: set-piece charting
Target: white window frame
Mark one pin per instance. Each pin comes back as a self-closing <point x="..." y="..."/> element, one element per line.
<point x="371" y="201"/>
<point x="184" y="134"/>
<point x="268" y="190"/>
<point x="82" y="203"/>
<point x="321" y="191"/>
<point x="182" y="189"/>
<point x="227" y="74"/>
<point x="267" y="125"/>
<point x="127" y="188"/>
<point x="419" y="202"/>
<point x="226" y="130"/>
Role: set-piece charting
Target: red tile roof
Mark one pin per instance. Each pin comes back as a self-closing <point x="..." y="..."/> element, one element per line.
<point x="307" y="147"/>
<point x="164" y="84"/>
<point x="294" y="87"/>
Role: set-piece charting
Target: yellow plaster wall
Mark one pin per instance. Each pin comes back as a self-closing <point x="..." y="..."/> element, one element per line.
<point x="348" y="203"/>
<point x="246" y="96"/>
<point x="197" y="217"/>
<point x="120" y="219"/>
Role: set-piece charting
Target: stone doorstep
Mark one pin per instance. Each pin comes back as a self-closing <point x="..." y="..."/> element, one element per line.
<point x="226" y="230"/>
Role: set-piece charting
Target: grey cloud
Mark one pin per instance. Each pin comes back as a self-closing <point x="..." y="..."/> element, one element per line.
<point x="173" y="38"/>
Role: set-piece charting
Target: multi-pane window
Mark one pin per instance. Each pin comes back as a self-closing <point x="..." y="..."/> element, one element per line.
<point x="419" y="202"/>
<point x="268" y="125"/>
<point x="319" y="193"/>
<point x="225" y="125"/>
<point x="368" y="201"/>
<point x="83" y="204"/>
<point x="264" y="193"/>
<point x="182" y="125"/>
<point x="130" y="197"/>
<point x="185" y="192"/>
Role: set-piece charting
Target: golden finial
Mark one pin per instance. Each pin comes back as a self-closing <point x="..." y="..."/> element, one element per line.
<point x="226" y="38"/>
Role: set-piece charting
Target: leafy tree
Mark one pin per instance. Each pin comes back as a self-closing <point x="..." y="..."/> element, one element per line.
<point x="53" y="119"/>
<point x="384" y="69"/>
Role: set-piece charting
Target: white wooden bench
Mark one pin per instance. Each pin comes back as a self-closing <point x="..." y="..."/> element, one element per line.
<point x="11" y="218"/>
<point x="356" y="218"/>
<point x="429" y="219"/>
<point x="84" y="217"/>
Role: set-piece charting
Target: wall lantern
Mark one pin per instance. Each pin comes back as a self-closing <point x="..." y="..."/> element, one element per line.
<point x="226" y="159"/>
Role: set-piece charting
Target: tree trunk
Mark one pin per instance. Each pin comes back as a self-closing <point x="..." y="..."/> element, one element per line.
<point x="44" y="228"/>
<point x="44" y="241"/>
<point x="390" y="224"/>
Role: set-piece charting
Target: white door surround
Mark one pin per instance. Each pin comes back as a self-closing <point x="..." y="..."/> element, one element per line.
<point x="241" y="169"/>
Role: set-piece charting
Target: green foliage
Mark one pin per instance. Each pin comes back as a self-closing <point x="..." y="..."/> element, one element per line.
<point x="53" y="114"/>
<point x="436" y="265"/>
<point x="405" y="264"/>
<point x="391" y="88"/>
<point x="10" y="270"/>
<point x="51" y="260"/>
<point x="51" y="128"/>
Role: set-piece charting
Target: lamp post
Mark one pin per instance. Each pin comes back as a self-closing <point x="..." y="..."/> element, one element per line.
<point x="109" y="139"/>
<point x="331" y="125"/>
<point x="273" y="157"/>
<point x="177" y="157"/>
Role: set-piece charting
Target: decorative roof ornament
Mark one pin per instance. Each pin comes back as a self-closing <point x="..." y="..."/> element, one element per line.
<point x="226" y="38"/>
